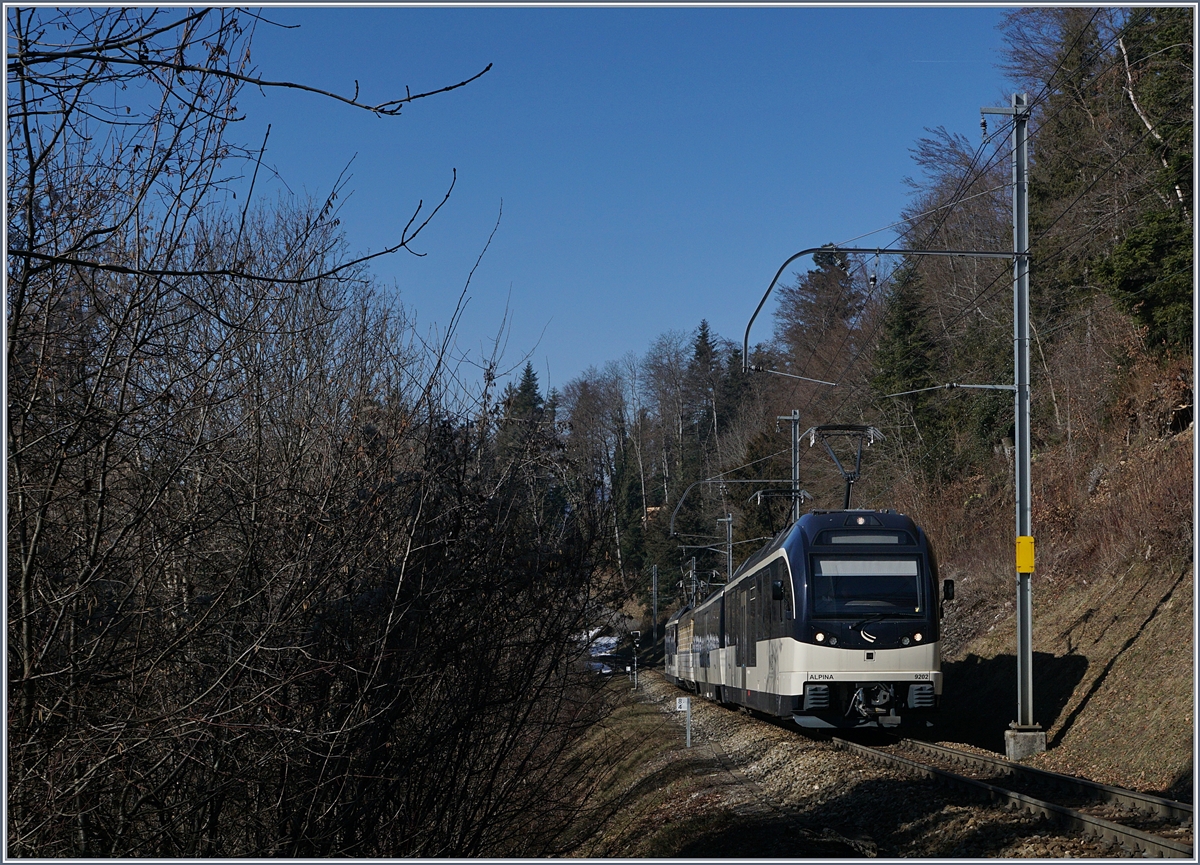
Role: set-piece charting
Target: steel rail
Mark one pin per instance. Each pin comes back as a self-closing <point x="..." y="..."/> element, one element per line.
<point x="1144" y="802"/>
<point x="1133" y="839"/>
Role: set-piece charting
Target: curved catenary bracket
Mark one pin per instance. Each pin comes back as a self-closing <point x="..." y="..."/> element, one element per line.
<point x="851" y="250"/>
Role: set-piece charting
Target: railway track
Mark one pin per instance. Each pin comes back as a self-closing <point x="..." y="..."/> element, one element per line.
<point x="1139" y="822"/>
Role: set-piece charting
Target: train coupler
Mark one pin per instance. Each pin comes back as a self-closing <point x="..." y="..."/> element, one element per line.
<point x="874" y="702"/>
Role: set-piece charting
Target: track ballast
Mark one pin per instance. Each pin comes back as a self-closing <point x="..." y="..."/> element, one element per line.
<point x="1138" y="822"/>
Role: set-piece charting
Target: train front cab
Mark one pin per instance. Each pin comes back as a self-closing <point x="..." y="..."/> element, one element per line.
<point x="867" y="628"/>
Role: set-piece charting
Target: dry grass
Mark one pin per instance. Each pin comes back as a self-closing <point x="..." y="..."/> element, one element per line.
<point x="635" y="809"/>
<point x="661" y="799"/>
<point x="752" y="789"/>
<point x="1113" y="591"/>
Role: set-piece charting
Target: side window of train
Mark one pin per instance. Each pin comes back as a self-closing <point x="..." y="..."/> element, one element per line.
<point x="765" y="631"/>
<point x="775" y="607"/>
<point x="706" y="640"/>
<point x="770" y="614"/>
<point x="742" y="641"/>
<point x="714" y="630"/>
<point x="778" y="607"/>
<point x="749" y="622"/>
<point x="730" y="620"/>
<point x="786" y="576"/>
<point x="751" y="619"/>
<point x="785" y="605"/>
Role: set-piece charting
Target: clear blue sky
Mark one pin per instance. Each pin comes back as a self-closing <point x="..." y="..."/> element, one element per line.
<point x="656" y="165"/>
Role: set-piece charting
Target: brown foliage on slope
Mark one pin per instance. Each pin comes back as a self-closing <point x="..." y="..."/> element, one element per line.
<point x="1113" y="592"/>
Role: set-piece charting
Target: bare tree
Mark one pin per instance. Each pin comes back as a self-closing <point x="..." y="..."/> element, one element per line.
<point x="264" y="599"/>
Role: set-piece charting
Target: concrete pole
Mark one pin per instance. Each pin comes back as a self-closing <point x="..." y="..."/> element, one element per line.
<point x="794" y="417"/>
<point x="795" y="465"/>
<point x="728" y="521"/>
<point x="654" y="596"/>
<point x="728" y="548"/>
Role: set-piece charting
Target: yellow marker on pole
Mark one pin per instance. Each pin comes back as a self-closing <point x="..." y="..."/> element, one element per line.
<point x="1024" y="554"/>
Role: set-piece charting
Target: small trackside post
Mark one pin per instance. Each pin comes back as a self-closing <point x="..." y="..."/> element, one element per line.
<point x="684" y="704"/>
<point x="654" y="620"/>
<point x="637" y="636"/>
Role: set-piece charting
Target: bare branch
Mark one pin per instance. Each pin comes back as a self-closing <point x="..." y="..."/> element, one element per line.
<point x="388" y="108"/>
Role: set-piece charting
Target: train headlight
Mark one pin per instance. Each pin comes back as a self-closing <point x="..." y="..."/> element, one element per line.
<point x="904" y="641"/>
<point x="917" y="636"/>
<point x="820" y="638"/>
<point x="833" y="641"/>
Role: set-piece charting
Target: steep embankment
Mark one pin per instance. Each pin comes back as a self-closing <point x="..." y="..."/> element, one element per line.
<point x="1113" y="622"/>
<point x="1113" y="654"/>
<point x="749" y="788"/>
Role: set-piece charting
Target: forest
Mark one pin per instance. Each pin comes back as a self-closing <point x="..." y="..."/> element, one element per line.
<point x="282" y="582"/>
<point x="1111" y="285"/>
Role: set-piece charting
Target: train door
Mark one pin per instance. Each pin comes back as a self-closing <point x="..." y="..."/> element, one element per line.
<point x="669" y="651"/>
<point x="686" y="651"/>
<point x="753" y="612"/>
<point x="728" y="644"/>
<point x="771" y="618"/>
<point x="743" y="637"/>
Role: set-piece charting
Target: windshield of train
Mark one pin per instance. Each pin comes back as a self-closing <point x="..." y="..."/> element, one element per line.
<point x="868" y="585"/>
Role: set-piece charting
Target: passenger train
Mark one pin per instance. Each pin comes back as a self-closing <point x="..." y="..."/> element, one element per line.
<point x="836" y="623"/>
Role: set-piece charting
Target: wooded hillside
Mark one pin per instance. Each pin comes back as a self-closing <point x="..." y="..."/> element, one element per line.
<point x="1111" y="231"/>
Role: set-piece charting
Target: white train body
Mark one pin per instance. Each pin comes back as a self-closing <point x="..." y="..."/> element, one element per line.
<point x="836" y="623"/>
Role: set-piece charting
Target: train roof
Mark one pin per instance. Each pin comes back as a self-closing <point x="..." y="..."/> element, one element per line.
<point x="675" y="615"/>
<point x="810" y="524"/>
<point x="775" y="544"/>
<point x="815" y="521"/>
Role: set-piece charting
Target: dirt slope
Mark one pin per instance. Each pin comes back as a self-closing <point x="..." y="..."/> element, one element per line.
<point x="1114" y="674"/>
<point x="749" y="788"/>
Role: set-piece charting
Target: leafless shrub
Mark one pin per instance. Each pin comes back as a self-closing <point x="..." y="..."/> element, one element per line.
<point x="266" y="595"/>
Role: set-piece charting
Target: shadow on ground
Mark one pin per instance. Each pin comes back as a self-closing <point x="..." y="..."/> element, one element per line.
<point x="773" y="837"/>
<point x="1181" y="789"/>
<point x="915" y="823"/>
<point x="979" y="696"/>
<point x="676" y="770"/>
